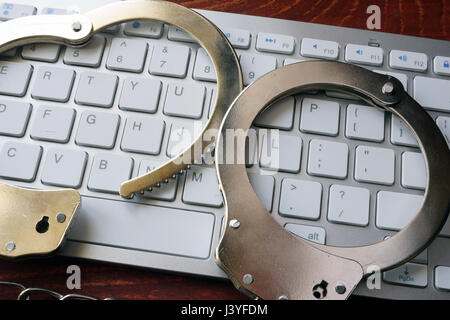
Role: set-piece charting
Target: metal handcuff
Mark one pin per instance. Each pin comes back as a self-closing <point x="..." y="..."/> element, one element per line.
<point x="248" y="225"/>
<point x="257" y="253"/>
<point x="21" y="210"/>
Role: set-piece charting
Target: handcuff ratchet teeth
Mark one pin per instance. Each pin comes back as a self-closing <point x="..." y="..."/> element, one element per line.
<point x="77" y="30"/>
<point x="265" y="260"/>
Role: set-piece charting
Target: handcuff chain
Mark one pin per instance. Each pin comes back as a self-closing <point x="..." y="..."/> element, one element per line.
<point x="25" y="293"/>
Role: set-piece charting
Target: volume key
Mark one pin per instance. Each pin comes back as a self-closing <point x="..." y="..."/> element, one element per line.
<point x="407" y="60"/>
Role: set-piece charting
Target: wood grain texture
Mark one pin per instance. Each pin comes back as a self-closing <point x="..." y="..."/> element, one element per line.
<point x="426" y="18"/>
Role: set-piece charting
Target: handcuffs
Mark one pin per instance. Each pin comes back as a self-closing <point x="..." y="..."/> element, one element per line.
<point x="265" y="260"/>
<point x="258" y="270"/>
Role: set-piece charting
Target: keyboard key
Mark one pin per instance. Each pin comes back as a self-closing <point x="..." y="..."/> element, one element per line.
<point x="300" y="199"/>
<point x="251" y="147"/>
<point x="281" y="152"/>
<point x="170" y="60"/>
<point x="88" y="56"/>
<point x="276" y="43"/>
<point x="340" y="95"/>
<point x="112" y="29"/>
<point x="177" y="34"/>
<point x="400" y="76"/>
<point x="64" y="168"/>
<point x="239" y="38"/>
<point x="422" y="257"/>
<point x="19" y="161"/>
<point x="201" y="188"/>
<point x="367" y="55"/>
<point x="364" y="123"/>
<point x="314" y="234"/>
<point x="395" y="210"/>
<point x="414" y="174"/>
<point x="14" y="78"/>
<point x="155" y="229"/>
<point x="409" y="274"/>
<point x="401" y="134"/>
<point x="264" y="187"/>
<point x="181" y="137"/>
<point x="108" y="172"/>
<point x="374" y="165"/>
<point x="97" y="129"/>
<point x="432" y="94"/>
<point x="289" y="61"/>
<point x="280" y="115"/>
<point x="212" y="103"/>
<point x="407" y="60"/>
<point x="319" y="49"/>
<point x="14" y="117"/>
<point x="53" y="124"/>
<point x="444" y="124"/>
<point x="56" y="11"/>
<point x="204" y="68"/>
<point x="96" y="89"/>
<point x="255" y="66"/>
<point x="53" y="84"/>
<point x="442" y="277"/>
<point x="12" y="10"/>
<point x="445" y="232"/>
<point x="127" y="55"/>
<point x="177" y="95"/>
<point x="141" y="95"/>
<point x="349" y="205"/>
<point x="328" y="159"/>
<point x="41" y="52"/>
<point x="167" y="191"/>
<point x="442" y="65"/>
<point x="144" y="28"/>
<point x="320" y="116"/>
<point x="143" y="135"/>
<point x="11" y="53"/>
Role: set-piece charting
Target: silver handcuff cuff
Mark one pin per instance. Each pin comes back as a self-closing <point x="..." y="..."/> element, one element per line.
<point x="20" y="209"/>
<point x="248" y="223"/>
<point x="257" y="253"/>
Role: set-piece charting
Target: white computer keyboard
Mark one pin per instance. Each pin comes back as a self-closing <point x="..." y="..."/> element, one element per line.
<point x="90" y="118"/>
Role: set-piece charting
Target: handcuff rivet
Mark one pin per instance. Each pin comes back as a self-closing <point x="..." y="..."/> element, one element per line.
<point x="60" y="217"/>
<point x="76" y="26"/>
<point x="234" y="223"/>
<point x="247" y="278"/>
<point x="388" y="88"/>
<point x="10" y="246"/>
<point x="340" y="288"/>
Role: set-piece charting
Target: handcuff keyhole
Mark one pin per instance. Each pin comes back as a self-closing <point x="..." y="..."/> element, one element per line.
<point x="42" y="225"/>
<point x="320" y="290"/>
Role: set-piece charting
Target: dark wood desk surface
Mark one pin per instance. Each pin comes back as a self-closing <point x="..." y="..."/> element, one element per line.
<point x="426" y="18"/>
